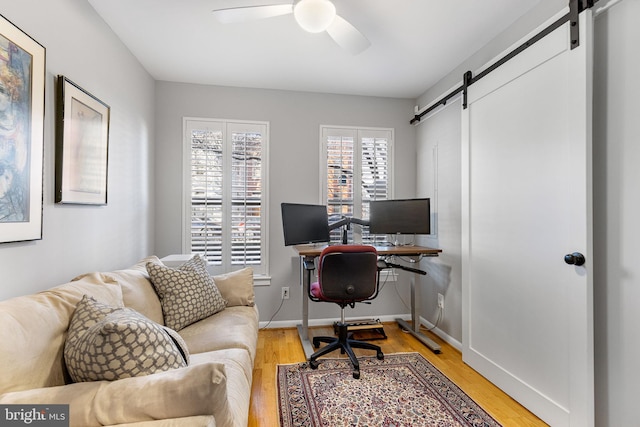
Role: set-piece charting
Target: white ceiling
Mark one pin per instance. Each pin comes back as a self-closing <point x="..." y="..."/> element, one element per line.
<point x="414" y="43"/>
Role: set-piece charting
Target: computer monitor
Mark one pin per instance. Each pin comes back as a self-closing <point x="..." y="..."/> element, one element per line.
<point x="408" y="216"/>
<point x="304" y="224"/>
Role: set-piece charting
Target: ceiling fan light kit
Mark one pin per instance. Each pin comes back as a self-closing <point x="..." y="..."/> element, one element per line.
<point x="314" y="16"/>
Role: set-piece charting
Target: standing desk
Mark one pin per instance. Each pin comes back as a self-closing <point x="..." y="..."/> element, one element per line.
<point x="308" y="253"/>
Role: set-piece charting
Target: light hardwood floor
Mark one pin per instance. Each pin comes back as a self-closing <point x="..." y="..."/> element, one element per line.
<point x="282" y="346"/>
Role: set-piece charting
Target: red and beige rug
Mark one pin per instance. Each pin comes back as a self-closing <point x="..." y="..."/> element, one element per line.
<point x="401" y="390"/>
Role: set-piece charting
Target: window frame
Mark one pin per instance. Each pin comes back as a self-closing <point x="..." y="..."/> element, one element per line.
<point x="261" y="271"/>
<point x="358" y="133"/>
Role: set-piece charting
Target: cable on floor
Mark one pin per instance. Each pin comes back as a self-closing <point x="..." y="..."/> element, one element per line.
<point x="422" y="327"/>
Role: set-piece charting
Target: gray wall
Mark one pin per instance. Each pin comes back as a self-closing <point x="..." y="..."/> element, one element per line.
<point x="439" y="178"/>
<point x="294" y="156"/>
<point x="616" y="204"/>
<point x="78" y="239"/>
<point x="442" y="128"/>
<point x="616" y="212"/>
<point x="543" y="11"/>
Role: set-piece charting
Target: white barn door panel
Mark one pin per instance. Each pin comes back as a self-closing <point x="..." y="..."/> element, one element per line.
<point x="526" y="203"/>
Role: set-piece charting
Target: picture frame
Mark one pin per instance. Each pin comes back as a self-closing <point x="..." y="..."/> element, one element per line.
<point x="22" y="107"/>
<point x="82" y="146"/>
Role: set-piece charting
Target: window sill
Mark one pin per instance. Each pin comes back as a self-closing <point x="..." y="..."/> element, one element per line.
<point x="261" y="280"/>
<point x="176" y="260"/>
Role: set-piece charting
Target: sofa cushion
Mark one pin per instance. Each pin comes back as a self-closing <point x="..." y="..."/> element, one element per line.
<point x="107" y="343"/>
<point x="137" y="291"/>
<point x="195" y="390"/>
<point x="34" y="329"/>
<point x="239" y="371"/>
<point x="237" y="287"/>
<point x="235" y="327"/>
<point x="234" y="360"/>
<point x="186" y="295"/>
<point x="196" y="421"/>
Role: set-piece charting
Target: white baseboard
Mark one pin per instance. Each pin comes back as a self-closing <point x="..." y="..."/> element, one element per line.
<point x="439" y="332"/>
<point x="389" y="318"/>
<point x="326" y="322"/>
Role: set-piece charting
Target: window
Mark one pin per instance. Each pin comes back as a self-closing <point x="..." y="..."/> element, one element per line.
<point x="225" y="193"/>
<point x="356" y="169"/>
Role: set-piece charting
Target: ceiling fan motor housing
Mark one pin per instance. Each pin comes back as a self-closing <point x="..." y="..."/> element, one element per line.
<point x="314" y="16"/>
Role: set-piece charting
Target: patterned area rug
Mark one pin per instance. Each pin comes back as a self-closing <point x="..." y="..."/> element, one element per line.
<point x="401" y="390"/>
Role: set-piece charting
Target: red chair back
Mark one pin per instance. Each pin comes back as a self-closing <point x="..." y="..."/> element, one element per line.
<point x="347" y="274"/>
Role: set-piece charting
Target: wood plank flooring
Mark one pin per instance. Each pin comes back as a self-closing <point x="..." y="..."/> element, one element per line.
<point x="282" y="346"/>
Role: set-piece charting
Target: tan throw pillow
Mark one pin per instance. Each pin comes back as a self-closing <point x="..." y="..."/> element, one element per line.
<point x="122" y="344"/>
<point x="186" y="296"/>
<point x="237" y="287"/>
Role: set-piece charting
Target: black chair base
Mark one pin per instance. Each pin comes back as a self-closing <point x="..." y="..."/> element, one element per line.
<point x="346" y="345"/>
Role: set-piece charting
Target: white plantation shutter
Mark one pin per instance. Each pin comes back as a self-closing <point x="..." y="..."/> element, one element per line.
<point x="246" y="198"/>
<point x="357" y="169"/>
<point x="206" y="193"/>
<point x="340" y="178"/>
<point x="225" y="211"/>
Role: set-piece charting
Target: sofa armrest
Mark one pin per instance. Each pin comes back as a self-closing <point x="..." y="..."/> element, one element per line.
<point x="194" y="390"/>
<point x="195" y="421"/>
<point x="79" y="397"/>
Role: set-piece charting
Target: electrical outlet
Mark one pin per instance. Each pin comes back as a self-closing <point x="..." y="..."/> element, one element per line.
<point x="440" y="301"/>
<point x="285" y="292"/>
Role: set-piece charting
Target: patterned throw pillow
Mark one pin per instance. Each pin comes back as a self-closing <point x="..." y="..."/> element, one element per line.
<point x="195" y="263"/>
<point x="187" y="294"/>
<point x="121" y="344"/>
<point x="88" y="312"/>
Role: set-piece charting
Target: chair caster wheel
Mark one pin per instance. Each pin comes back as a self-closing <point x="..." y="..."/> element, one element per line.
<point x="356" y="374"/>
<point x="380" y="356"/>
<point x="313" y="364"/>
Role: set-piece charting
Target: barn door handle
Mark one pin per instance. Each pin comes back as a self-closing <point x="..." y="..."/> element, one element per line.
<point x="575" y="258"/>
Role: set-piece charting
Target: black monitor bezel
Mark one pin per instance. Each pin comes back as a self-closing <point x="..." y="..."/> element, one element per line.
<point x="323" y="236"/>
<point x="403" y="226"/>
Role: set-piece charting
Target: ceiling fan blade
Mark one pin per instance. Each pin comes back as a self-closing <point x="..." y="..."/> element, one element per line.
<point x="347" y="36"/>
<point x="251" y="13"/>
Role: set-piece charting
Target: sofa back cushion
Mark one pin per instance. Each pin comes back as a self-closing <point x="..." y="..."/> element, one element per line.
<point x="137" y="291"/>
<point x="34" y="328"/>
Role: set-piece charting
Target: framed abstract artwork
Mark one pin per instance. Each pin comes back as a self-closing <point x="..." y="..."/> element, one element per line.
<point x="22" y="87"/>
<point x="82" y="146"/>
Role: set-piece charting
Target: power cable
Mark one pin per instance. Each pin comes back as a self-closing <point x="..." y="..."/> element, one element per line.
<point x="274" y="314"/>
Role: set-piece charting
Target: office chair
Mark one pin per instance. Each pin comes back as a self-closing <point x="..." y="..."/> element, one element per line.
<point x="346" y="274"/>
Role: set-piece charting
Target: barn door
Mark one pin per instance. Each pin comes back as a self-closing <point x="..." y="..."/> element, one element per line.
<point x="527" y="312"/>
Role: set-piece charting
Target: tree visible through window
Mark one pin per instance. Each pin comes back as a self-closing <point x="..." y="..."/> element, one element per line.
<point x="356" y="170"/>
<point x="225" y="211"/>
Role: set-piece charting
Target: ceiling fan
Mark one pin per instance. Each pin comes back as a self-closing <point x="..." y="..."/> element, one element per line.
<point x="313" y="16"/>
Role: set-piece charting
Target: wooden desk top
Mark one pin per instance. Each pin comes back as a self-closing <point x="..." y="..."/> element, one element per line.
<point x="313" y="250"/>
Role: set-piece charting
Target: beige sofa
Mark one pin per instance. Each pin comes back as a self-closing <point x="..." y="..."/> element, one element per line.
<point x="213" y="390"/>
